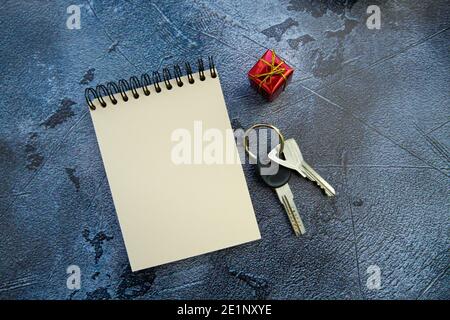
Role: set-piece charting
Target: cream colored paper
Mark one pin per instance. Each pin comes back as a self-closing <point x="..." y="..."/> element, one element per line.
<point x="169" y="212"/>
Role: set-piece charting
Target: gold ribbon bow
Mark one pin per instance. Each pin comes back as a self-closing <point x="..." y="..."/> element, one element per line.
<point x="274" y="70"/>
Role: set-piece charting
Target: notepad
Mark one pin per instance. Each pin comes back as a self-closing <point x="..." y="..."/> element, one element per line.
<point x="169" y="211"/>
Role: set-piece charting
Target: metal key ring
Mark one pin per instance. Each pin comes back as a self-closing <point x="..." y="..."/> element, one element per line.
<point x="262" y="125"/>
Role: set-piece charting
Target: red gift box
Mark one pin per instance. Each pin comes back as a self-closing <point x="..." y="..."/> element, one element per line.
<point x="270" y="75"/>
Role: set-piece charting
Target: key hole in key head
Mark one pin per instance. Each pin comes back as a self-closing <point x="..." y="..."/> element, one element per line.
<point x="259" y="143"/>
<point x="276" y="179"/>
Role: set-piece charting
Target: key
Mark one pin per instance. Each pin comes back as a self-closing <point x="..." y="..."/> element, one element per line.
<point x="279" y="181"/>
<point x="294" y="160"/>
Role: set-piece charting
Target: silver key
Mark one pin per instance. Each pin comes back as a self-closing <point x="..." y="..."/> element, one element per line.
<point x="294" y="160"/>
<point x="287" y="199"/>
<point x="279" y="181"/>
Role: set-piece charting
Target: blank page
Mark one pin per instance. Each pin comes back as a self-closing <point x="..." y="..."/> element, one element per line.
<point x="169" y="211"/>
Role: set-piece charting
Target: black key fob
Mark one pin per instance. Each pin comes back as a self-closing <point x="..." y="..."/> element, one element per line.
<point x="275" y="177"/>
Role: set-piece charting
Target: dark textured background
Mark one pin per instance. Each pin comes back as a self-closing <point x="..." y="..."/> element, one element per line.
<point x="370" y="109"/>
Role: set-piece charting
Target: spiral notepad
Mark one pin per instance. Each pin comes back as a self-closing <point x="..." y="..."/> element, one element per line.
<point x="169" y="211"/>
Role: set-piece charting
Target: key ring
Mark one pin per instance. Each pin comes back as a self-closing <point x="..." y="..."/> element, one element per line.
<point x="262" y="125"/>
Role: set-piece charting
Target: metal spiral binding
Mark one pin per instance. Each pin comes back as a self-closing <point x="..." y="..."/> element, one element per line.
<point x="134" y="84"/>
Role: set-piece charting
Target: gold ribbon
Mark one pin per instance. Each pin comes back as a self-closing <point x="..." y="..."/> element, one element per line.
<point x="274" y="70"/>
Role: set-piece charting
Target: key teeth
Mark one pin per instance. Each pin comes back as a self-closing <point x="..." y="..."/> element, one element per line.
<point x="328" y="193"/>
<point x="310" y="174"/>
<point x="301" y="231"/>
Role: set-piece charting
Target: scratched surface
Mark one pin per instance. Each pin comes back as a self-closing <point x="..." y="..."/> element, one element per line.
<point x="370" y="109"/>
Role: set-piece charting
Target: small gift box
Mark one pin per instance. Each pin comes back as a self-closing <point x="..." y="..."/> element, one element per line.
<point x="270" y="75"/>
